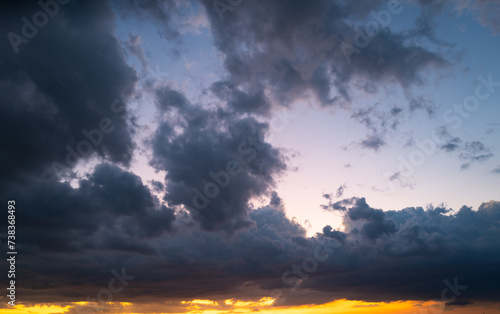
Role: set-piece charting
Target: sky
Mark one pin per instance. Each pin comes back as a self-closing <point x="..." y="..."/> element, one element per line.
<point x="234" y="156"/>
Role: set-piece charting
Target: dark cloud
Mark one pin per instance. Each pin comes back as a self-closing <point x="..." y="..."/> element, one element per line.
<point x="395" y="176"/>
<point x="374" y="142"/>
<point x="448" y="142"/>
<point x="216" y="164"/>
<point x="421" y="103"/>
<point x="396" y="111"/>
<point x="474" y="151"/>
<point x="110" y="210"/>
<point x="239" y="100"/>
<point x="334" y="234"/>
<point x="384" y="256"/>
<point x="451" y="145"/>
<point x="69" y="236"/>
<point x="62" y="82"/>
<point x="276" y="201"/>
<point x="374" y="223"/>
<point x="330" y="196"/>
<point x="496" y="170"/>
<point x="414" y="251"/>
<point x="157" y="186"/>
<point x="295" y="46"/>
<point x="467" y="151"/>
<point x="72" y="241"/>
<point x="327" y="196"/>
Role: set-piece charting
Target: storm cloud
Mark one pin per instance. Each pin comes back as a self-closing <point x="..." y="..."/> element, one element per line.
<point x="62" y="82"/>
<point x="215" y="161"/>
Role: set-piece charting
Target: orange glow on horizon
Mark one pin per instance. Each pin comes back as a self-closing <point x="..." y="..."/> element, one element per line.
<point x="263" y="306"/>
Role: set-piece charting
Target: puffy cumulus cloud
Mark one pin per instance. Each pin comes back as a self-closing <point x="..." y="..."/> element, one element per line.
<point x="407" y="254"/>
<point x="215" y="160"/>
<point x="57" y="81"/>
<point x="361" y="219"/>
<point x="291" y="47"/>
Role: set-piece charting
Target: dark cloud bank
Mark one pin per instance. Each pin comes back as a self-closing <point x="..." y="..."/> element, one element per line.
<point x="66" y="78"/>
<point x="71" y="238"/>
